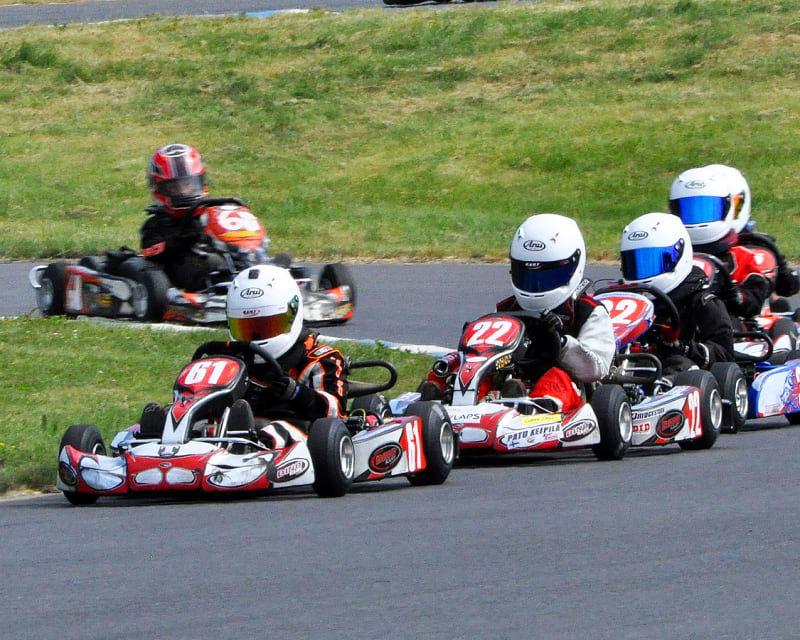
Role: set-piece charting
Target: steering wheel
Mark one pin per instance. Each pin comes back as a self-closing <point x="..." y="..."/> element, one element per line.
<point x="244" y="350"/>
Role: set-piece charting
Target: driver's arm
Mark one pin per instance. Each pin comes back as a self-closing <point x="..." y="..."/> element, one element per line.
<point x="587" y="357"/>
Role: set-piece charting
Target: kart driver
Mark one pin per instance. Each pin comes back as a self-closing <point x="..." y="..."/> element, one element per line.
<point x="176" y="178"/>
<point x="714" y="204"/>
<point x="264" y="305"/>
<point x="656" y="251"/>
<point x="571" y="335"/>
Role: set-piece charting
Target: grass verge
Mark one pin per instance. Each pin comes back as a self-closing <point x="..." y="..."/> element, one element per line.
<point x="406" y="135"/>
<point x="66" y="372"/>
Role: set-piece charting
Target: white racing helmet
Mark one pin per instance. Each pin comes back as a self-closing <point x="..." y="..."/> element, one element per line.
<point x="264" y="305"/>
<point x="656" y="251"/>
<point x="711" y="201"/>
<point x="548" y="257"/>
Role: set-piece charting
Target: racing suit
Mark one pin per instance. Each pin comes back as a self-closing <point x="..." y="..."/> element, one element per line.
<point x="581" y="353"/>
<point x="584" y="355"/>
<point x="173" y="243"/>
<point x="706" y="332"/>
<point x="314" y="385"/>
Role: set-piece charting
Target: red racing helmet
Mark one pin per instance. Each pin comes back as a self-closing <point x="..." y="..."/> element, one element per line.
<point x="176" y="177"/>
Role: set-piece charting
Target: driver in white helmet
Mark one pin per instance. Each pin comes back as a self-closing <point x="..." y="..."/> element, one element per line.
<point x="656" y="251"/>
<point x="572" y="338"/>
<point x="264" y="305"/>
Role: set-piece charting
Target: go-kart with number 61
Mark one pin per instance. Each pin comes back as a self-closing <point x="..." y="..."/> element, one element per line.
<point x="124" y="284"/>
<point x="490" y="415"/>
<point x="208" y="441"/>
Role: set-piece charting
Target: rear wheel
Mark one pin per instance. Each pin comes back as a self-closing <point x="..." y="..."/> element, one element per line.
<point x="333" y="456"/>
<point x="438" y="442"/>
<point x="613" y="413"/>
<point x="710" y="407"/>
<point x="337" y="275"/>
<point x="155" y="283"/>
<point x="733" y="388"/>
<point x="52" y="286"/>
<point x="86" y="438"/>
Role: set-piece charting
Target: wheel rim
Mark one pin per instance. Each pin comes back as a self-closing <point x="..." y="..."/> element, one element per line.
<point x="625" y="422"/>
<point x="139" y="299"/>
<point x="741" y="400"/>
<point x="347" y="456"/>
<point x="715" y="409"/>
<point x="45" y="294"/>
<point x="447" y="443"/>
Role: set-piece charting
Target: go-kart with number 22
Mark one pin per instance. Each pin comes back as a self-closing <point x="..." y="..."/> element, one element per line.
<point x="123" y="284"/>
<point x="208" y="441"/>
<point x="487" y="421"/>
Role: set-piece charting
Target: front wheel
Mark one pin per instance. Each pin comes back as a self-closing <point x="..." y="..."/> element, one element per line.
<point x="793" y="418"/>
<point x="52" y="288"/>
<point x="333" y="456"/>
<point x="372" y="404"/>
<point x="337" y="275"/>
<point x="733" y="388"/>
<point x="86" y="438"/>
<point x="438" y="442"/>
<point x="155" y="283"/>
<point x="710" y="407"/>
<point x="613" y="413"/>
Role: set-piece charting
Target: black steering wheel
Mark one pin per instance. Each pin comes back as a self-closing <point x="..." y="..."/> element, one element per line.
<point x="244" y="350"/>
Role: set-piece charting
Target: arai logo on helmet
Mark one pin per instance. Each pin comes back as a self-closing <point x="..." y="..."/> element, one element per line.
<point x="637" y="235"/>
<point x="533" y="245"/>
<point x="252" y="292"/>
<point x="695" y="184"/>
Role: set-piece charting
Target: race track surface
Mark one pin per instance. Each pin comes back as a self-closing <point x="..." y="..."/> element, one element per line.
<point x="663" y="544"/>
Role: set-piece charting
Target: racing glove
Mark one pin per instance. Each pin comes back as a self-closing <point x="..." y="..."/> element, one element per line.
<point x="552" y="333"/>
<point x="731" y="295"/>
<point x="787" y="282"/>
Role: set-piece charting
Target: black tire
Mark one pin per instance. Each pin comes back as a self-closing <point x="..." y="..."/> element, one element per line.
<point x="784" y="327"/>
<point x="438" y="443"/>
<point x="95" y="263"/>
<point x="155" y="283"/>
<point x="375" y="403"/>
<point x="50" y="294"/>
<point x="86" y="438"/>
<point x="733" y="388"/>
<point x="613" y="413"/>
<point x="333" y="456"/>
<point x="710" y="407"/>
<point x="151" y="422"/>
<point x="337" y="275"/>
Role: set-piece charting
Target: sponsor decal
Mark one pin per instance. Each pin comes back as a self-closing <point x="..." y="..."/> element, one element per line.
<point x="291" y="470"/>
<point x="637" y="235"/>
<point x="246" y="313"/>
<point x="320" y="351"/>
<point x="527" y="437"/>
<point x="385" y="458"/>
<point x="670" y="424"/>
<point x="542" y="418"/>
<point x="636" y="416"/>
<point x="578" y="430"/>
<point x="251" y="292"/>
<point x="695" y="184"/>
<point x="165" y="465"/>
<point x="168" y="452"/>
<point x="533" y="245"/>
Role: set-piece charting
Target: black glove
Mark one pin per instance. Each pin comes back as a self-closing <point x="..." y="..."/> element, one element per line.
<point x="731" y="295"/>
<point x="552" y="322"/>
<point x="787" y="283"/>
<point x="552" y="334"/>
<point x="282" y="389"/>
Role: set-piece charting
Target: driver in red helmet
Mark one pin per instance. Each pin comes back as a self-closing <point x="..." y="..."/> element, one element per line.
<point x="170" y="237"/>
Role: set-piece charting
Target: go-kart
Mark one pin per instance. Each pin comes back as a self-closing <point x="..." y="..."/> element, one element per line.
<point x="124" y="284"/>
<point x="489" y="415"/>
<point x="210" y="442"/>
<point x="768" y="354"/>
<point x="690" y="407"/>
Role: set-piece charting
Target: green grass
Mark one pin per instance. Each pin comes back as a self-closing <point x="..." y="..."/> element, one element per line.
<point x="406" y="135"/>
<point x="67" y="372"/>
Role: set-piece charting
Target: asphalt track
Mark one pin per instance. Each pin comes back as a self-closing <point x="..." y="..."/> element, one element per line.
<point x="664" y="544"/>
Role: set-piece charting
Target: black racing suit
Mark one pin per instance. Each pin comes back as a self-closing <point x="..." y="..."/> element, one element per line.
<point x="174" y="243"/>
<point x="706" y="332"/>
<point x="319" y="389"/>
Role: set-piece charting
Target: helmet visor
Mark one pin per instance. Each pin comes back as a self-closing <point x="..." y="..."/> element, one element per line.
<point x="538" y="277"/>
<point x="648" y="262"/>
<point x="699" y="209"/>
<point x="177" y="188"/>
<point x="261" y="327"/>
